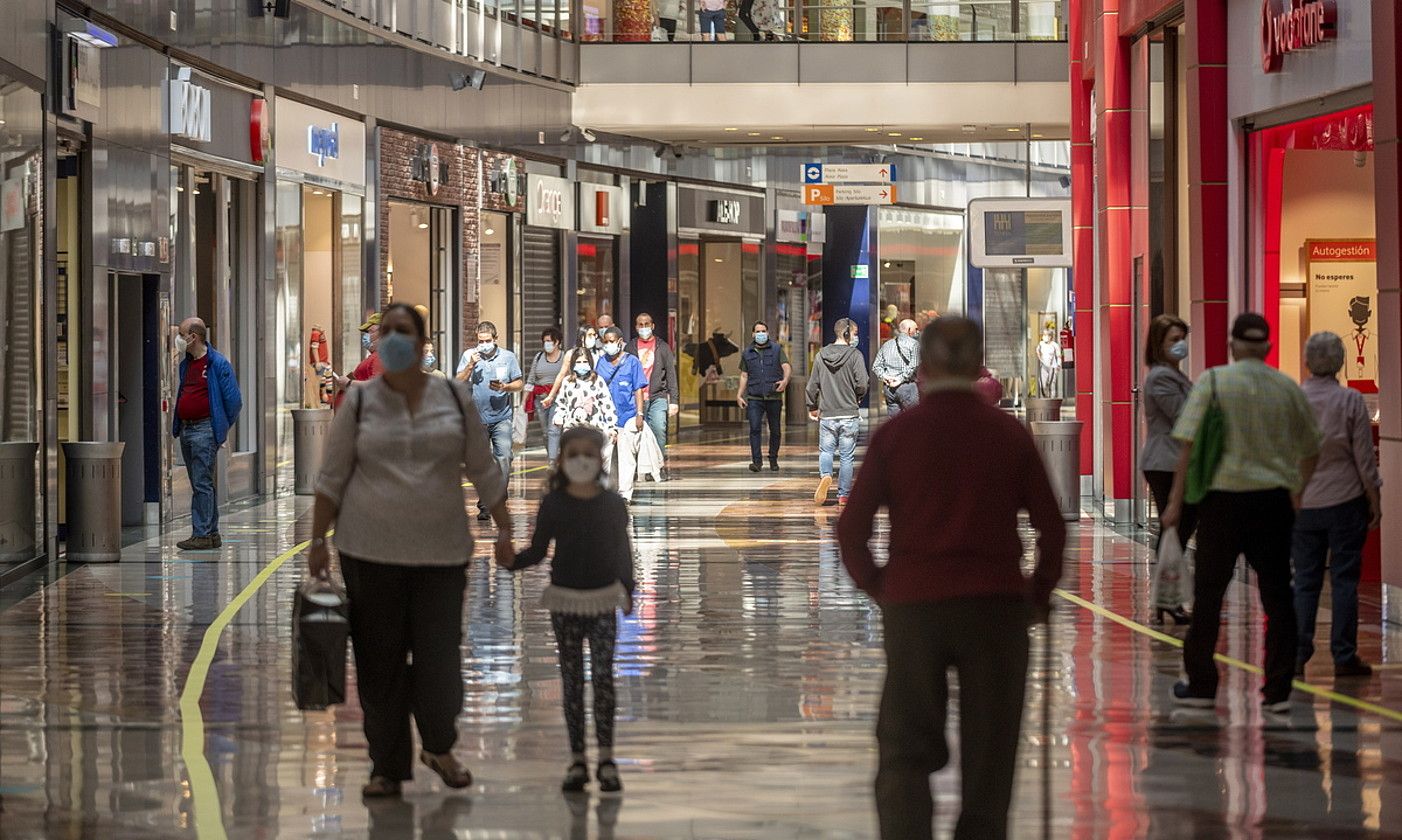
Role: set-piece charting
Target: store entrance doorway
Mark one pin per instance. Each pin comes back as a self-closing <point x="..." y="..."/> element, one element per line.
<point x="727" y="303"/>
<point x="422" y="269"/>
<point x="138" y="385"/>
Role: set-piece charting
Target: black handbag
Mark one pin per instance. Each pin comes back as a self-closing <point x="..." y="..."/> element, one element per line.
<point x="320" y="631"/>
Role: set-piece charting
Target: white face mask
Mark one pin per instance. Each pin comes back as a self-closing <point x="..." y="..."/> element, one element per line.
<point x="581" y="469"/>
<point x="590" y="342"/>
<point x="181" y="345"/>
<point x="612" y="348"/>
<point x="486" y="348"/>
<point x="644" y="333"/>
<point x="549" y="346"/>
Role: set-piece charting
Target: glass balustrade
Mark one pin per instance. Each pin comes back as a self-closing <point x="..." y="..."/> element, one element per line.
<point x="522" y="33"/>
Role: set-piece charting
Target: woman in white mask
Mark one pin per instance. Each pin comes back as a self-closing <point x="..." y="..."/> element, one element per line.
<point x="1165" y="390"/>
<point x="591" y="578"/>
<point x="588" y="340"/>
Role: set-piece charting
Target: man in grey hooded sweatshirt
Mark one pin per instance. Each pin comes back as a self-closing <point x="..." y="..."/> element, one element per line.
<point x="835" y="392"/>
<point x="895" y="366"/>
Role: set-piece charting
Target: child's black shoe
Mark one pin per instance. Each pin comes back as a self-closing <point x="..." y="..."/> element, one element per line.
<point x="577" y="777"/>
<point x="609" y="782"/>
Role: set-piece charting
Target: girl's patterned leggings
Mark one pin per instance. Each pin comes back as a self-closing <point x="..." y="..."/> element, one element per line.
<point x="570" y="633"/>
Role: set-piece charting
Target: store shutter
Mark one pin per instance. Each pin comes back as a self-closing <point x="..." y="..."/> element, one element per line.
<point x="540" y="284"/>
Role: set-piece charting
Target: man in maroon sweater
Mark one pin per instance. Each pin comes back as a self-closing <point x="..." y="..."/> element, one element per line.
<point x="953" y="473"/>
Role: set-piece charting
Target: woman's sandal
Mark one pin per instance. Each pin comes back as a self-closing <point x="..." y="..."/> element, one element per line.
<point x="453" y="774"/>
<point x="381" y="787"/>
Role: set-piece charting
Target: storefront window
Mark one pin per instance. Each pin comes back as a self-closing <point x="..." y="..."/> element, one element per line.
<point x="598" y="280"/>
<point x="922" y="264"/>
<point x="689" y="328"/>
<point x="21" y="269"/>
<point x="289" y="299"/>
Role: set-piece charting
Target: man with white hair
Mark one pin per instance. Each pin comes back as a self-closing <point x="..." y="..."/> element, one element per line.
<point x="1340" y="504"/>
<point x="895" y="366"/>
<point x="1268" y="451"/>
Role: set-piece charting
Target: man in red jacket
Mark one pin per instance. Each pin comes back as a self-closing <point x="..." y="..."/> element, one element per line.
<point x="953" y="473"/>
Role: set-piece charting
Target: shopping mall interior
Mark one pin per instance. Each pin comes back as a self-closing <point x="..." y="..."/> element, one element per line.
<point x="748" y="190"/>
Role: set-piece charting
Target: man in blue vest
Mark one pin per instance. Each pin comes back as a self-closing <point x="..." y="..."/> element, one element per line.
<point x="207" y="402"/>
<point x="764" y="375"/>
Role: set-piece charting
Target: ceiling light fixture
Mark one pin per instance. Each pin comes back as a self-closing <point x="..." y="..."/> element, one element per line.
<point x="776" y="137"/>
<point x="893" y="134"/>
<point x="1015" y="130"/>
<point x="489" y="232"/>
<point x="752" y="133"/>
<point x="730" y="128"/>
<point x="423" y="225"/>
<point x="873" y="130"/>
<point x="917" y="139"/>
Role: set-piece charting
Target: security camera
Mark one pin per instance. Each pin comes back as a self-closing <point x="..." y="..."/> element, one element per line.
<point x="567" y="135"/>
<point x="587" y="135"/>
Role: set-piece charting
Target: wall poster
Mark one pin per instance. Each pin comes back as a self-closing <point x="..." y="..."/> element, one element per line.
<point x="1343" y="296"/>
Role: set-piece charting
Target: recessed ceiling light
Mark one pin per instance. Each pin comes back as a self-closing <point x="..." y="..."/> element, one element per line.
<point x="752" y="133"/>
<point x="1015" y="130"/>
<point x="893" y="134"/>
<point x="489" y="231"/>
<point x="873" y="130"/>
<point x="731" y="128"/>
<point x="776" y="137"/>
<point x="720" y="259"/>
<point x="423" y="225"/>
<point x="886" y="264"/>
<point x="1036" y="136"/>
<point x="917" y="139"/>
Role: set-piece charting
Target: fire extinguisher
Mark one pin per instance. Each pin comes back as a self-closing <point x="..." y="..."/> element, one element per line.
<point x="320" y="357"/>
<point x="1068" y="346"/>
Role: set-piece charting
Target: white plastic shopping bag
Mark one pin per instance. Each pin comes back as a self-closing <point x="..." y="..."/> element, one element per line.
<point x="1173" y="579"/>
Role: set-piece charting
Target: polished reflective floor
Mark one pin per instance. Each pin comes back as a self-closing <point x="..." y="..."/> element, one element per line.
<point x="748" y="679"/>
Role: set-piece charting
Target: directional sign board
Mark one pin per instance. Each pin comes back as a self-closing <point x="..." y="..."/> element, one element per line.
<point x="848" y="194"/>
<point x="849" y="173"/>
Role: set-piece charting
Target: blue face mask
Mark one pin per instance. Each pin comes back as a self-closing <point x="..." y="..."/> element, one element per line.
<point x="644" y="333"/>
<point x="398" y="352"/>
<point x="852" y="341"/>
<point x="1178" y="350"/>
<point x="582" y="371"/>
<point x="430" y="361"/>
<point x="365" y="341"/>
<point x="549" y="346"/>
<point x="761" y="338"/>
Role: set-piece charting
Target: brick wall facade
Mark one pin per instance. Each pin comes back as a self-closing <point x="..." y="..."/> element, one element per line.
<point x="470" y="180"/>
<point x="403" y="175"/>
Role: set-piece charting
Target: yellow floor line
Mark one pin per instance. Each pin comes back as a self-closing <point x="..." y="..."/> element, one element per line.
<point x="1300" y="685"/>
<point x="209" y="817"/>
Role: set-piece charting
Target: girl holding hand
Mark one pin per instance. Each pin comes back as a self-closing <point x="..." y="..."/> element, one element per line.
<point x="591" y="576"/>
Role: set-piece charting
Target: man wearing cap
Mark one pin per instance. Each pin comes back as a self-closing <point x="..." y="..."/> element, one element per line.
<point x="369" y="367"/>
<point x="1269" y="451"/>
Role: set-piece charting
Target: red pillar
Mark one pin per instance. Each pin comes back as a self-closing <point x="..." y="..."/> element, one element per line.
<point x="1114" y="220"/>
<point x="1082" y="232"/>
<point x="1208" y="133"/>
<point x="1387" y="108"/>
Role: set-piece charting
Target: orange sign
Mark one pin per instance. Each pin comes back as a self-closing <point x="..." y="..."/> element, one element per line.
<point x="849" y="194"/>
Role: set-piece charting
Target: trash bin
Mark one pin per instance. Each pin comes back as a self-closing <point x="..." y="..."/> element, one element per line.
<point x="310" y="427"/>
<point x="17" y="500"/>
<point x="795" y="401"/>
<point x="93" y="494"/>
<point x="1059" y="442"/>
<point x="1043" y="410"/>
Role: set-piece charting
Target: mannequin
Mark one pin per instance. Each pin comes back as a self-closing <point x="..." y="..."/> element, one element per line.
<point x="1048" y="366"/>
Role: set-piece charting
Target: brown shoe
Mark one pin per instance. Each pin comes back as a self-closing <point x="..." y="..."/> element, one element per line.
<point x="820" y="496"/>
<point x="196" y="544"/>
<point x="381" y="787"/>
<point x="453" y="774"/>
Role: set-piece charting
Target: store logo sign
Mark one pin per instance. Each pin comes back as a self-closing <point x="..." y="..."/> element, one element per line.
<point x="323" y="143"/>
<point x="259" y="140"/>
<point x="725" y="212"/>
<point x="1303" y="24"/>
<point x="190" y="107"/>
<point x="428" y="168"/>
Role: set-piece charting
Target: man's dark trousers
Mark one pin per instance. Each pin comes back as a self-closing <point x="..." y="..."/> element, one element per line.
<point x="985" y="641"/>
<point x="757" y="411"/>
<point x="1259" y="525"/>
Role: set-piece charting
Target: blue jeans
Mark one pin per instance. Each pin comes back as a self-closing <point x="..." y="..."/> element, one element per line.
<point x="198" y="448"/>
<point x="655" y="414"/>
<point x="1337" y="534"/>
<point x="840" y="437"/>
<point x="549" y="430"/>
<point x="499" y="436"/>
<point x="757" y="411"/>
